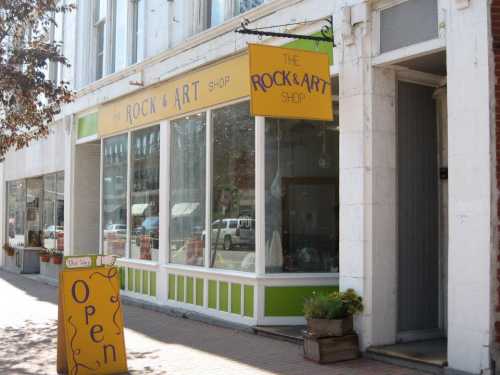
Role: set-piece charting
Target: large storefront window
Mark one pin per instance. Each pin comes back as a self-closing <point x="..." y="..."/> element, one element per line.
<point x="49" y="198"/>
<point x="53" y="211"/>
<point x="144" y="197"/>
<point x="114" y="209"/>
<point x="34" y="194"/>
<point x="187" y="190"/>
<point x="233" y="199"/>
<point x="16" y="203"/>
<point x="59" y="211"/>
<point x="302" y="212"/>
<point x="35" y="212"/>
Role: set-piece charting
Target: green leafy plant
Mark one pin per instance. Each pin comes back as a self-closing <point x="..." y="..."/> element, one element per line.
<point x="336" y="305"/>
<point x="321" y="306"/>
<point x="352" y="301"/>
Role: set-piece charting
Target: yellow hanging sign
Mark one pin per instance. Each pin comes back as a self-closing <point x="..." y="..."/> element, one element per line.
<point x="290" y="83"/>
<point x="90" y="329"/>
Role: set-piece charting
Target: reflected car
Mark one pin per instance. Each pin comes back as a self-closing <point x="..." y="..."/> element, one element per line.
<point x="51" y="230"/>
<point x="120" y="229"/>
<point x="231" y="233"/>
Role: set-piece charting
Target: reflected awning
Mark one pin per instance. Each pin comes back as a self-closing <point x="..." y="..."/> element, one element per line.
<point x="138" y="209"/>
<point x="184" y="208"/>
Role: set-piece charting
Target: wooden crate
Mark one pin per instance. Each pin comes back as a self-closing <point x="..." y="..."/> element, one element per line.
<point x="331" y="349"/>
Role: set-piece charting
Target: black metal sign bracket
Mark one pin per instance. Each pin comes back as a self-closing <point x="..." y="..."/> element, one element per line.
<point x="326" y="31"/>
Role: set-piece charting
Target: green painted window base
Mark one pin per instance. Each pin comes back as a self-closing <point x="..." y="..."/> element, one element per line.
<point x="138" y="281"/>
<point x="248" y="301"/>
<point x="236" y="298"/>
<point x="289" y="300"/>
<point x="223" y="296"/>
<point x="121" y="272"/>
<point x="212" y="294"/>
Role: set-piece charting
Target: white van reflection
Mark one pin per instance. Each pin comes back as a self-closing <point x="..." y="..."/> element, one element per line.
<point x="233" y="233"/>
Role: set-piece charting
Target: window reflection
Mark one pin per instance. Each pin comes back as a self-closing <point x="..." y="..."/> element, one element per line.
<point x="120" y="35"/>
<point x="34" y="187"/>
<point x="233" y="200"/>
<point x="144" y="198"/>
<point x="187" y="190"/>
<point x="114" y="210"/>
<point x="16" y="200"/>
<point x="241" y="6"/>
<point x="302" y="212"/>
<point x="53" y="211"/>
<point x="215" y="12"/>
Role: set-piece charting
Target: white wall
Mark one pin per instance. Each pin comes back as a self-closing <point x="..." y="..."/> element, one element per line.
<point x="367" y="182"/>
<point x="42" y="157"/>
<point x="470" y="153"/>
<point x="85" y="190"/>
<point x="200" y="49"/>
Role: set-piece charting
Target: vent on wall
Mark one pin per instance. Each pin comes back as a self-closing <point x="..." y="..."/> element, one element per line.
<point x="408" y="23"/>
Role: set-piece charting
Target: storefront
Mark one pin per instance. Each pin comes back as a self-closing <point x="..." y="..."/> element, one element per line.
<point x="213" y="210"/>
<point x="34" y="207"/>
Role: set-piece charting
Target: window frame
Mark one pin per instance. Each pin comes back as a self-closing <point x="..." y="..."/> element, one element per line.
<point x="95" y="24"/>
<point x="135" y="54"/>
<point x="129" y="190"/>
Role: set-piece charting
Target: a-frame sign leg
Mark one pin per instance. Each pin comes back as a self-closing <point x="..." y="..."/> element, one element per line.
<point x="62" y="364"/>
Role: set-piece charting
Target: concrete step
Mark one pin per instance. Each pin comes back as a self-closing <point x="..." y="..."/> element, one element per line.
<point x="428" y="356"/>
<point x="284" y="333"/>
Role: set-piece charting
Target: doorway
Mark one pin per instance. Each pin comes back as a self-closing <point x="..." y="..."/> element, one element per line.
<point x="420" y="260"/>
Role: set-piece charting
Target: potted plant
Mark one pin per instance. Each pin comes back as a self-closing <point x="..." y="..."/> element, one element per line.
<point x="44" y="255"/>
<point x="329" y="336"/>
<point x="331" y="315"/>
<point x="9" y="250"/>
<point x="56" y="257"/>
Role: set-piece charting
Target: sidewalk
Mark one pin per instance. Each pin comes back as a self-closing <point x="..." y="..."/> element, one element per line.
<point x="156" y="343"/>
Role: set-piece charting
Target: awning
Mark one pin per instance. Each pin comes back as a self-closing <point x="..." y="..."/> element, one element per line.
<point x="184" y="208"/>
<point x="138" y="209"/>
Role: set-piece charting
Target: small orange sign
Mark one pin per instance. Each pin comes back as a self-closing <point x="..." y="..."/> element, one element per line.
<point x="290" y="83"/>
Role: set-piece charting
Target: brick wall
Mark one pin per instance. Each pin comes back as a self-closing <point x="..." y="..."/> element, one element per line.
<point x="495" y="29"/>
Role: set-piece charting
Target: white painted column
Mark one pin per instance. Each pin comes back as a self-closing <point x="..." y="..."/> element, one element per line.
<point x="367" y="168"/>
<point x="69" y="183"/>
<point x="164" y="202"/>
<point x="470" y="165"/>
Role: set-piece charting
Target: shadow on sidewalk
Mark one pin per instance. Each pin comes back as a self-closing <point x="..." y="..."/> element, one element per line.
<point x="27" y="350"/>
<point x="257" y="352"/>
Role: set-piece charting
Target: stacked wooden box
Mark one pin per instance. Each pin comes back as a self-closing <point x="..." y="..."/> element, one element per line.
<point x="330" y="349"/>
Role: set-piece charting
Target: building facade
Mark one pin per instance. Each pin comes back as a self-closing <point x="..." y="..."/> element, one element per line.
<point x="212" y="211"/>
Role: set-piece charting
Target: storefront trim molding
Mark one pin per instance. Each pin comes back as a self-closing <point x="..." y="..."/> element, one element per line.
<point x="406" y="53"/>
<point x="212" y="313"/>
<point x="137" y="263"/>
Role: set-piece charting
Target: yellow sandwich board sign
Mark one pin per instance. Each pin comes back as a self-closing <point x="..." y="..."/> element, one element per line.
<point x="90" y="328"/>
<point x="289" y="83"/>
